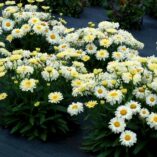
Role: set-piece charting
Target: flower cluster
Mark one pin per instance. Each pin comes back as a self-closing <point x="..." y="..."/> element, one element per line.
<point x="98" y="46"/>
<point x="38" y="84"/>
<point x="129" y="89"/>
<point x="26" y="28"/>
<point x="45" y="66"/>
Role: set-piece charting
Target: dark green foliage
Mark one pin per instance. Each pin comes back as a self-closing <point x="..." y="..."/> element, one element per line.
<point x="95" y="2"/>
<point x="67" y="7"/>
<point x="128" y="13"/>
<point x="46" y="121"/>
<point x="152" y="8"/>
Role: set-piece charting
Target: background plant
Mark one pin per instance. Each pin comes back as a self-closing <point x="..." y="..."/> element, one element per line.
<point x="26" y="28"/>
<point x="127" y="12"/>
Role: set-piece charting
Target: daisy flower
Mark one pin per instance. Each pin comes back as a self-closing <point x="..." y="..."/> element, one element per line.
<point x="152" y="120"/>
<point x="144" y="113"/>
<point x="91" y="104"/>
<point x="106" y="42"/>
<point x="33" y="21"/>
<point x="100" y="91"/>
<point x="151" y="99"/>
<point x="26" y="28"/>
<point x="114" y="96"/>
<point x="124" y="112"/>
<point x="117" y="125"/>
<point x="123" y="49"/>
<point x="3" y="96"/>
<point x="75" y="108"/>
<point x="91" y="48"/>
<point x="128" y="138"/>
<point x="102" y="55"/>
<point x="28" y="85"/>
<point x="55" y="97"/>
<point x="53" y="37"/>
<point x="39" y="29"/>
<point x="17" y="33"/>
<point x="7" y="24"/>
<point x="118" y="56"/>
<point x="24" y="70"/>
<point x="134" y="106"/>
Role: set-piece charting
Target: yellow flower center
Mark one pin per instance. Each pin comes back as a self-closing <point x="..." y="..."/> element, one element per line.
<point x="123" y="112"/>
<point x="54" y="97"/>
<point x="127" y="137"/>
<point x="152" y="99"/>
<point x="144" y="112"/>
<point x="116" y="124"/>
<point x="114" y="94"/>
<point x="74" y="107"/>
<point x="123" y="48"/>
<point x="155" y="119"/>
<point x="39" y="27"/>
<point x="28" y="84"/>
<point x="52" y="36"/>
<point x="90" y="48"/>
<point x="133" y="106"/>
<point x="100" y="91"/>
<point x="8" y="24"/>
<point x="141" y="90"/>
<point x="17" y="31"/>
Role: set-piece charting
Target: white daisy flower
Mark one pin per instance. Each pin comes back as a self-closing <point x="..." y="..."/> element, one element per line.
<point x="128" y="138"/>
<point x="7" y="24"/>
<point x="151" y="99"/>
<point x="141" y="92"/>
<point x="123" y="49"/>
<point x="24" y="70"/>
<point x="117" y="125"/>
<point x="26" y="28"/>
<point x="34" y="21"/>
<point x="75" y="108"/>
<point x="28" y="85"/>
<point x="127" y="77"/>
<point x="91" y="48"/>
<point x="52" y="37"/>
<point x="55" y="97"/>
<point x="106" y="42"/>
<point x="144" y="113"/>
<point x="114" y="96"/>
<point x="134" y="106"/>
<point x="124" y="112"/>
<point x="39" y="29"/>
<point x="152" y="120"/>
<point x="17" y="33"/>
<point x="102" y="55"/>
<point x="100" y="91"/>
<point x="50" y="73"/>
<point x="118" y="56"/>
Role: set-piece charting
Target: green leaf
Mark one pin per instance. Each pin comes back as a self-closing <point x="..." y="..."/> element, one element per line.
<point x="42" y="119"/>
<point x="139" y="147"/>
<point x="105" y="154"/>
<point x="26" y="128"/>
<point x="31" y="120"/>
<point x="44" y="136"/>
<point x="117" y="152"/>
<point x="14" y="129"/>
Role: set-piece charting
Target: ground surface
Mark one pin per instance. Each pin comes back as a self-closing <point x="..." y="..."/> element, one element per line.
<point x="11" y="146"/>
